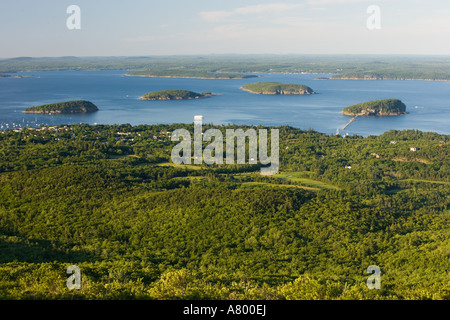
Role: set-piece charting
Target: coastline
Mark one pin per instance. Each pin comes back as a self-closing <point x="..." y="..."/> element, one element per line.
<point x="58" y="112"/>
<point x="373" y="115"/>
<point x="392" y="79"/>
<point x="183" y="77"/>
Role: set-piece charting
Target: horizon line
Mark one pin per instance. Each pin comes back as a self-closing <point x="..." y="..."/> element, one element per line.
<point x="229" y="54"/>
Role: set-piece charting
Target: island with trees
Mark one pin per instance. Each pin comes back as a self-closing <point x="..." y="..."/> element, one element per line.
<point x="77" y="106"/>
<point x="386" y="107"/>
<point x="277" y="88"/>
<point x="174" y="95"/>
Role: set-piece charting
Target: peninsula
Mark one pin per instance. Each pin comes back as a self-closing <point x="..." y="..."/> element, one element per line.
<point x="386" y="107"/>
<point x="77" y="106"/>
<point x="188" y="74"/>
<point x="277" y="88"/>
<point x="9" y="76"/>
<point x="174" y="95"/>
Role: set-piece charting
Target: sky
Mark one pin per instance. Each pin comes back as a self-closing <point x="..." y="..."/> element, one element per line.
<point x="34" y="28"/>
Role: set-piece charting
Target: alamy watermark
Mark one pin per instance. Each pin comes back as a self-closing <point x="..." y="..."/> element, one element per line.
<point x="73" y="22"/>
<point x="74" y="280"/>
<point x="374" y="19"/>
<point x="374" y="281"/>
<point x="213" y="153"/>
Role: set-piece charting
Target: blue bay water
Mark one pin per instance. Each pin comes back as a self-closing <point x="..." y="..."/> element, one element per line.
<point x="428" y="102"/>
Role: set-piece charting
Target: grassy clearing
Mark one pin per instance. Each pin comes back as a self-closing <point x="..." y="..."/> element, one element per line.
<point x="426" y="181"/>
<point x="300" y="179"/>
<point x="303" y="178"/>
<point x="403" y="159"/>
<point x="190" y="178"/>
<point x="273" y="185"/>
<point x="187" y="166"/>
<point x="119" y="157"/>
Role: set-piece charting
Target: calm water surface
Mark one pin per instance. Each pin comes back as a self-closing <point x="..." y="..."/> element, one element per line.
<point x="428" y="102"/>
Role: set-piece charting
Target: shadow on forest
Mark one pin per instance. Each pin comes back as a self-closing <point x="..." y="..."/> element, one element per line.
<point x="14" y="248"/>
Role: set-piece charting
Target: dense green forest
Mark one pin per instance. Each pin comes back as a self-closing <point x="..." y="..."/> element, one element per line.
<point x="385" y="107"/>
<point x="174" y="95"/>
<point x="109" y="200"/>
<point x="77" y="106"/>
<point x="277" y="88"/>
<point x="340" y="66"/>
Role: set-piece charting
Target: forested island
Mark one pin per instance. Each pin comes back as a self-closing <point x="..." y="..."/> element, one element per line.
<point x="277" y="88"/>
<point x="76" y="106"/>
<point x="188" y="74"/>
<point x="385" y="107"/>
<point x="174" y="95"/>
<point x="108" y="199"/>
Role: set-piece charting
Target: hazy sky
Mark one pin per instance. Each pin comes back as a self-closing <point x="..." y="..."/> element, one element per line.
<point x="147" y="27"/>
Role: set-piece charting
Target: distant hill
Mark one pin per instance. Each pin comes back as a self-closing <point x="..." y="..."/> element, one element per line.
<point x="78" y="106"/>
<point x="386" y="107"/>
<point x="370" y="67"/>
<point x="174" y="95"/>
<point x="277" y="88"/>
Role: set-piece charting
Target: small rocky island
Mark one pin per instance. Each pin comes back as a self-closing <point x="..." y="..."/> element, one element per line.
<point x="77" y="106"/>
<point x="386" y="107"/>
<point x="277" y="88"/>
<point x="174" y="95"/>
